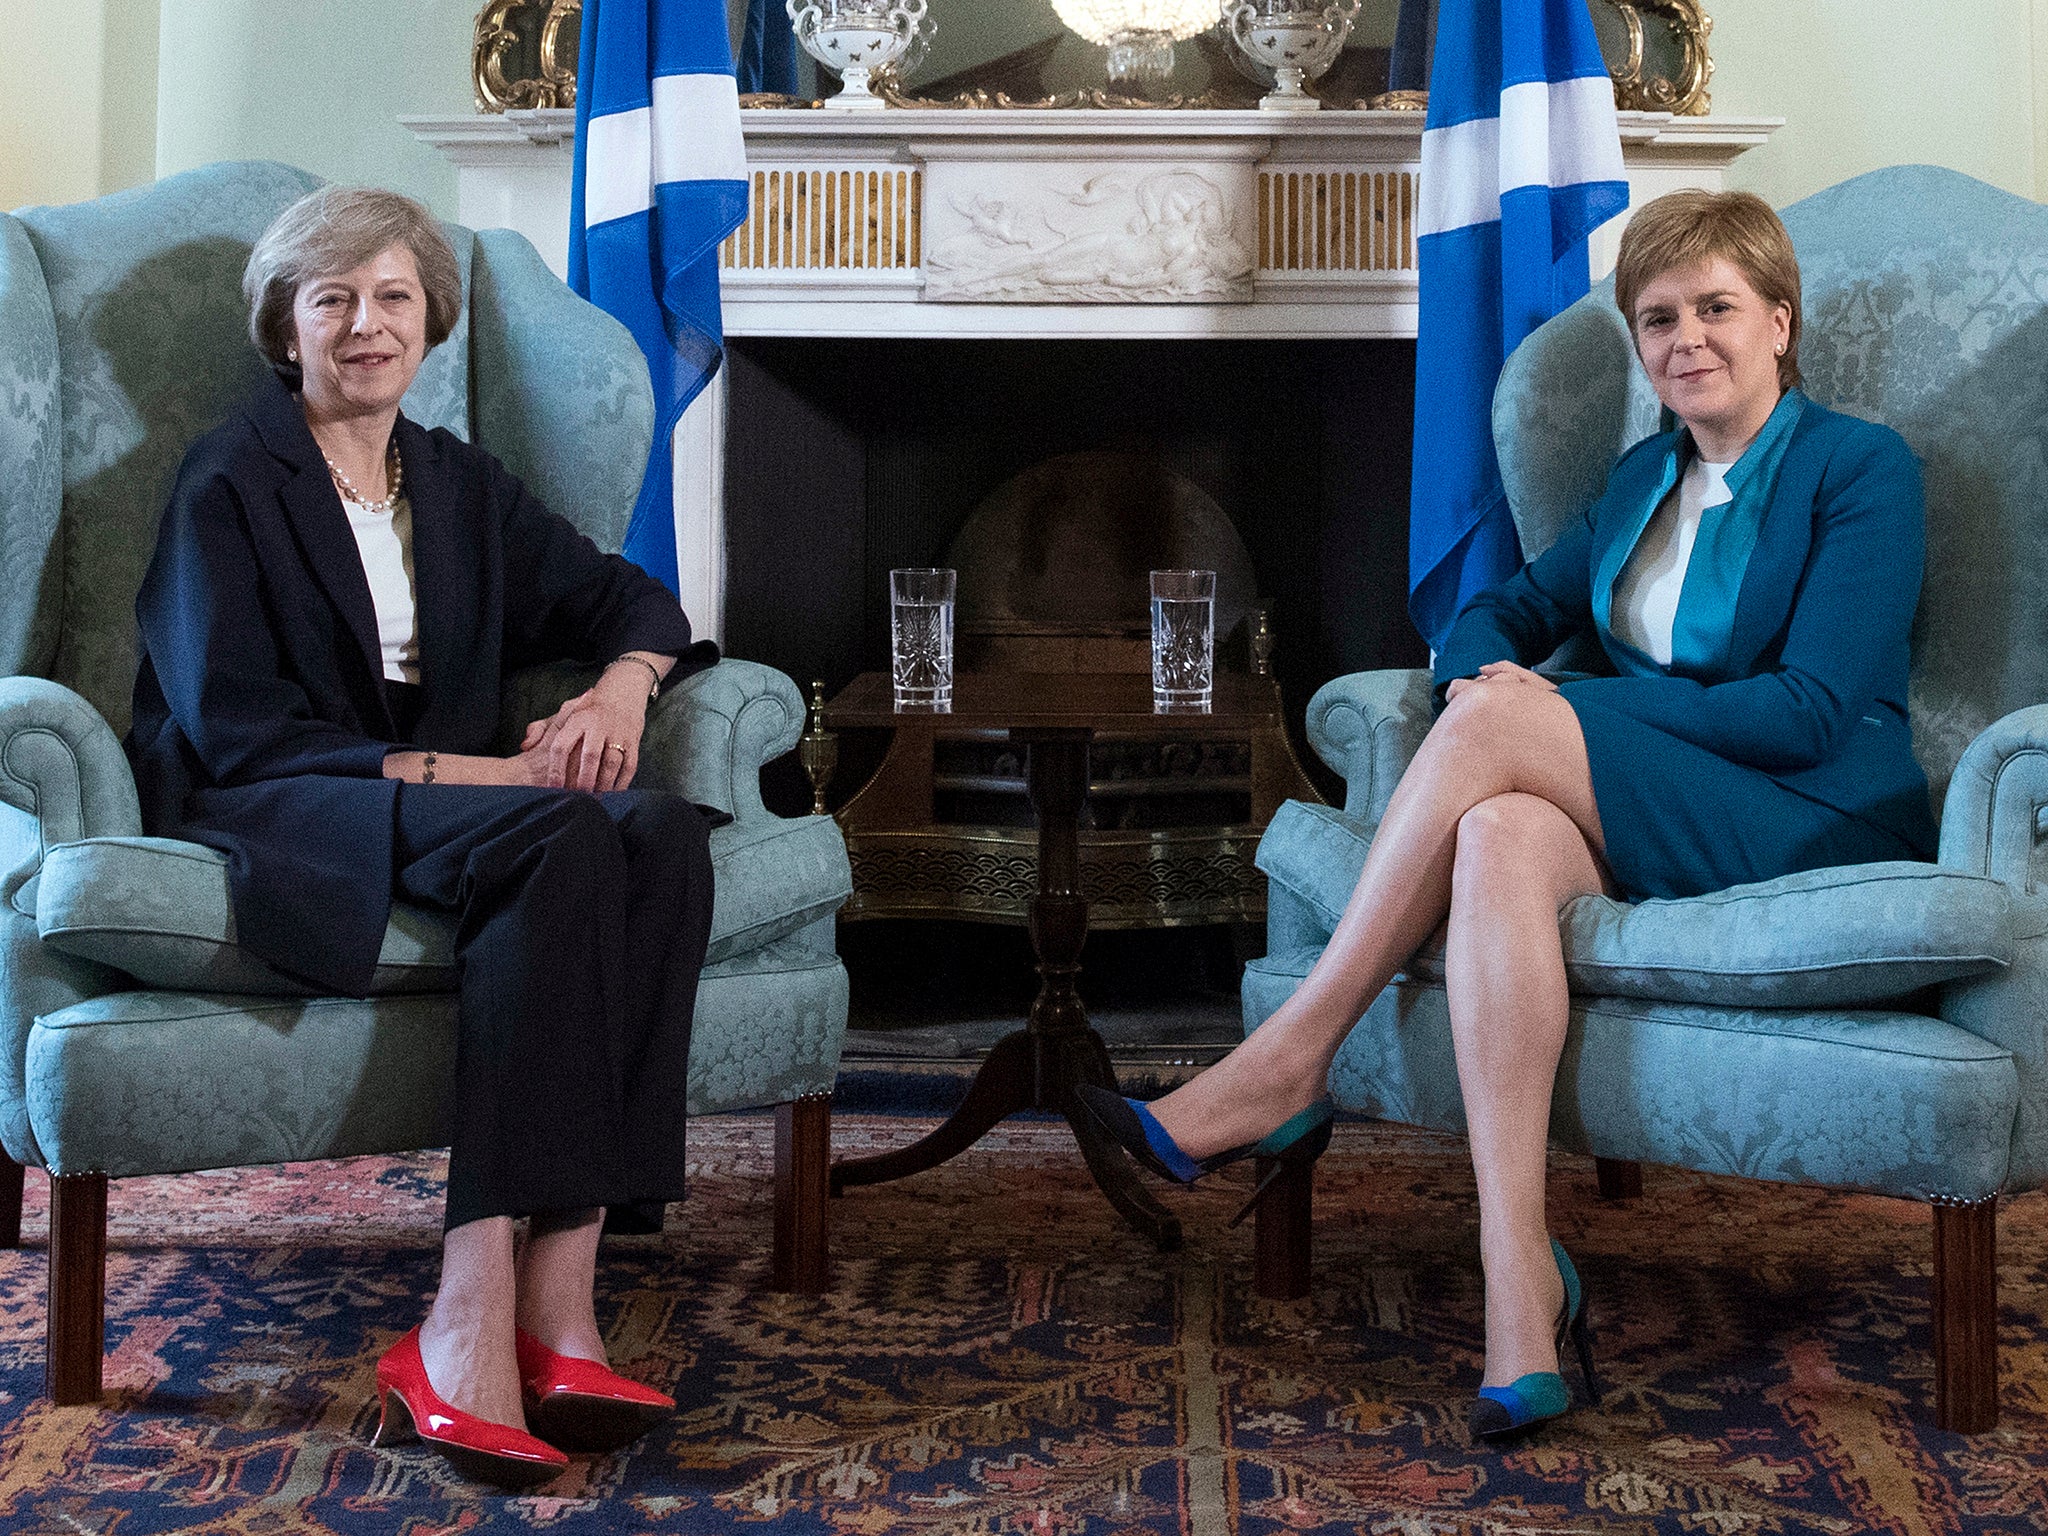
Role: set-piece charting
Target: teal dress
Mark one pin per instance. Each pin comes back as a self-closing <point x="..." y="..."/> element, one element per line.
<point x="1777" y="738"/>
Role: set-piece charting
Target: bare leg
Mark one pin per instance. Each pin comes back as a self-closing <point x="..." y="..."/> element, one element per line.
<point x="557" y="1282"/>
<point x="547" y="1290"/>
<point x="466" y="1341"/>
<point x="1519" y="860"/>
<point x="1499" y="737"/>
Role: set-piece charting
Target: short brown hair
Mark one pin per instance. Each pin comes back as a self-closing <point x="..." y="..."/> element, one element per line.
<point x="334" y="230"/>
<point x="1685" y="229"/>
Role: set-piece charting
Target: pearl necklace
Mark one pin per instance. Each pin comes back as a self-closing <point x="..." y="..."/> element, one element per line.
<point x="394" y="476"/>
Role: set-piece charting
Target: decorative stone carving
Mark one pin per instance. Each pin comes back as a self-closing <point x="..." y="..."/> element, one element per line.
<point x="1091" y="234"/>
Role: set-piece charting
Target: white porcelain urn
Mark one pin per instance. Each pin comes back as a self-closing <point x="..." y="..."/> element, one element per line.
<point x="1296" y="39"/>
<point x="854" y="38"/>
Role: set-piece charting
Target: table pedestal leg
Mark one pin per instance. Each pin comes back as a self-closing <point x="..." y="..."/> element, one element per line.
<point x="1039" y="1066"/>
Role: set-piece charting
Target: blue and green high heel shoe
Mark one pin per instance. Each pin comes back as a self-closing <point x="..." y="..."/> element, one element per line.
<point x="1300" y="1141"/>
<point x="1499" y="1413"/>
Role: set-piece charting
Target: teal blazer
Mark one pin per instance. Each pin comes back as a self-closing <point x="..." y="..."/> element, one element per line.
<point x="1798" y="661"/>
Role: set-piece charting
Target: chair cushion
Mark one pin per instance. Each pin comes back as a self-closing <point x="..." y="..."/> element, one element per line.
<point x="1869" y="1098"/>
<point x="158" y="909"/>
<point x="1822" y="938"/>
<point x="158" y="1082"/>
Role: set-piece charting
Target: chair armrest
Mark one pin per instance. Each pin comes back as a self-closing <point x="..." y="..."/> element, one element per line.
<point x="2009" y="1008"/>
<point x="1367" y="726"/>
<point x="63" y="776"/>
<point x="1997" y="807"/>
<point x="1992" y="823"/>
<point x="707" y="738"/>
<point x="710" y="735"/>
<point x="62" y="764"/>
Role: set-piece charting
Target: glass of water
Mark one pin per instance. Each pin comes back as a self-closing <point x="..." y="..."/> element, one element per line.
<point x="921" y="637"/>
<point x="1183" y="639"/>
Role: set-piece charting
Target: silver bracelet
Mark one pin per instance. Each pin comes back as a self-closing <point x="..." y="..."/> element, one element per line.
<point x="654" y="691"/>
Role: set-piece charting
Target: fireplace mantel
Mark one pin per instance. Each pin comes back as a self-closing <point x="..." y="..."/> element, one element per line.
<point x="1041" y="225"/>
<point x="993" y="223"/>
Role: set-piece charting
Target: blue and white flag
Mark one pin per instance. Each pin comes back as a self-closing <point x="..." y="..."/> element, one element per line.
<point x="660" y="180"/>
<point x="1521" y="161"/>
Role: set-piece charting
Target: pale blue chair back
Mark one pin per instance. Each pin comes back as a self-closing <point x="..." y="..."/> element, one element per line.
<point x="1925" y="297"/>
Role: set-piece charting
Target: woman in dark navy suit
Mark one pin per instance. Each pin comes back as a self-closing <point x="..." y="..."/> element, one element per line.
<point x="1751" y="578"/>
<point x="335" y="601"/>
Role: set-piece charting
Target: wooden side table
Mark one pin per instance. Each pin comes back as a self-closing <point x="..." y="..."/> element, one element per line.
<point x="1054" y="718"/>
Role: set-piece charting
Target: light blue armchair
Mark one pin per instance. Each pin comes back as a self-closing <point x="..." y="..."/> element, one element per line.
<point x="136" y="1037"/>
<point x="1882" y="1027"/>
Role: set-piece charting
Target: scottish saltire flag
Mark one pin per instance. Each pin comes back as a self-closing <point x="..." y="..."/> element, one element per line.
<point x="1521" y="161"/>
<point x="660" y="180"/>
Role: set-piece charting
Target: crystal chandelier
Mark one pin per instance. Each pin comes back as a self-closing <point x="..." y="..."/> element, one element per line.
<point x="1138" y="33"/>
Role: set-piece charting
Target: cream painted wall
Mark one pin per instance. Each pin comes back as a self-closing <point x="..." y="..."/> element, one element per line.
<point x="318" y="83"/>
<point x="81" y="118"/>
<point x="50" y="136"/>
<point x="1865" y="83"/>
<point x="128" y="109"/>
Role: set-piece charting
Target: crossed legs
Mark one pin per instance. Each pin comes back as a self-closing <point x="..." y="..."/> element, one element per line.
<point x="1493" y="828"/>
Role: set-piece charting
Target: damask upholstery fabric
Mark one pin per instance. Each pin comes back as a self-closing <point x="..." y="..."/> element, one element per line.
<point x="1857" y="1099"/>
<point x="563" y="406"/>
<point x="158" y="909"/>
<point x="1367" y="726"/>
<point x="31" y="456"/>
<point x="1821" y="938"/>
<point x="268" y="1081"/>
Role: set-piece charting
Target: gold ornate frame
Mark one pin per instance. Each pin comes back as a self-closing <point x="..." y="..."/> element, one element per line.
<point x="503" y="24"/>
<point x="1686" y="96"/>
<point x="499" y="28"/>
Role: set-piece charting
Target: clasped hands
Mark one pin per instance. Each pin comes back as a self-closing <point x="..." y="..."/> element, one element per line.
<point x="1504" y="674"/>
<point x="592" y="742"/>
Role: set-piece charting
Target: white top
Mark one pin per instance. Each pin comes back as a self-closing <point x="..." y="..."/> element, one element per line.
<point x="385" y="541"/>
<point x="1645" y="603"/>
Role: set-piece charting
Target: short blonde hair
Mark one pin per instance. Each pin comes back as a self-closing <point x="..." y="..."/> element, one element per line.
<point x="335" y="230"/>
<point x="1685" y="229"/>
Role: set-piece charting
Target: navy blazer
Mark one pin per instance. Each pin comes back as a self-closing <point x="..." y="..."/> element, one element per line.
<point x="261" y="724"/>
<point x="1813" y="691"/>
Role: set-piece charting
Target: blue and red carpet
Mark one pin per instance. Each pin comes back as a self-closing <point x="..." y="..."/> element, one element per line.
<point x="997" y="1354"/>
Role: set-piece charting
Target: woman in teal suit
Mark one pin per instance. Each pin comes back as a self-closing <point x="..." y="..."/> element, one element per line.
<point x="1750" y="578"/>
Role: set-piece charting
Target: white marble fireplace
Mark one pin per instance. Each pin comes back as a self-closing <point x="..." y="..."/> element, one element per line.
<point x="994" y="224"/>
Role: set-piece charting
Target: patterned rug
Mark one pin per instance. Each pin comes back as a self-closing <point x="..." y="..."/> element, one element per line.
<point x="998" y="1355"/>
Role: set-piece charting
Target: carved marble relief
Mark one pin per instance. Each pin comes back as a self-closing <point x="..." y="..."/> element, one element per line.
<point x="1063" y="233"/>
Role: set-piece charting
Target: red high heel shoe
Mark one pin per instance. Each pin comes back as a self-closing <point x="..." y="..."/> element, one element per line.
<point x="477" y="1448"/>
<point x="583" y="1405"/>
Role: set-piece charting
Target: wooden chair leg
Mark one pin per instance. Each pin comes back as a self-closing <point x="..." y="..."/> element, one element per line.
<point x="803" y="1192"/>
<point x="1966" y="1317"/>
<point x="1284" y="1231"/>
<point x="1618" y="1180"/>
<point x="10" y="1201"/>
<point x="77" y="1322"/>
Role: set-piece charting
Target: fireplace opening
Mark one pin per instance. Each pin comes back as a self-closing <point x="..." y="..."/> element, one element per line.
<point x="1053" y="474"/>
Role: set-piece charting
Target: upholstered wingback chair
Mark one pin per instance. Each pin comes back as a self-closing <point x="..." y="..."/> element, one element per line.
<point x="1881" y="1027"/>
<point x="136" y="1037"/>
